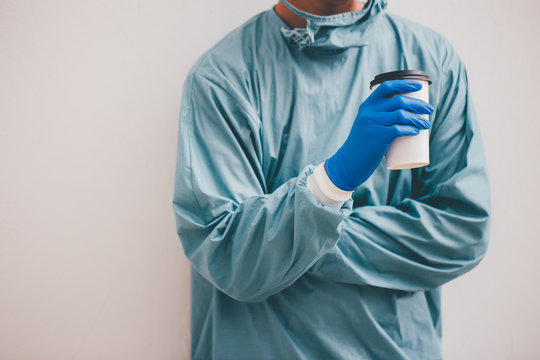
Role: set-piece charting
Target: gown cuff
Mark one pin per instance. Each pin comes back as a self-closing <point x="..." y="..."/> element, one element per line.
<point x="326" y="192"/>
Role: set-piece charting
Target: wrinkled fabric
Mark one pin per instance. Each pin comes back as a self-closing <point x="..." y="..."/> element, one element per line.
<point x="276" y="274"/>
<point x="332" y="32"/>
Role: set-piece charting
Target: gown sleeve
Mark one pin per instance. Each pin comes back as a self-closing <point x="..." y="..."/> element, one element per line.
<point x="246" y="242"/>
<point x="441" y="231"/>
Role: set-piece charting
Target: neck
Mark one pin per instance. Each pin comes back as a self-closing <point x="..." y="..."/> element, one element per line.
<point x="315" y="7"/>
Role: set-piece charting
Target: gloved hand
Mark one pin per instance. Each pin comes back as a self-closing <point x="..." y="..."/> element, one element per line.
<point x="381" y="119"/>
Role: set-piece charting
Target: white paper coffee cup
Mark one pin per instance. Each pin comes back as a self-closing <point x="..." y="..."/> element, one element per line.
<point x="408" y="152"/>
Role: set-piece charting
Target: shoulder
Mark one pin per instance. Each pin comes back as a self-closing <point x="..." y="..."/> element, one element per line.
<point x="221" y="80"/>
<point x="231" y="60"/>
<point x="409" y="28"/>
<point x="423" y="38"/>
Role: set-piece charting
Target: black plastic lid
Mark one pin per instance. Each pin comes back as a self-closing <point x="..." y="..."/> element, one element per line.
<point x="401" y="75"/>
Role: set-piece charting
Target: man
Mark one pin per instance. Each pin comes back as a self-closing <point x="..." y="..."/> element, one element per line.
<point x="302" y="244"/>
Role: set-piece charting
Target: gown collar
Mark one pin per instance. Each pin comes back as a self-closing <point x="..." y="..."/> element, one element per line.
<point x="333" y="32"/>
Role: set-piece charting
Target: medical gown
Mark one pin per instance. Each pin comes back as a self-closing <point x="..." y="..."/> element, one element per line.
<point x="275" y="274"/>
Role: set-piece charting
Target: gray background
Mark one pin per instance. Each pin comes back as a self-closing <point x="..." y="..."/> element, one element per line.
<point x="90" y="264"/>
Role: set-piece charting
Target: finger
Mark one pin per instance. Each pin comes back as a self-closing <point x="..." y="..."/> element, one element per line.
<point x="400" y="117"/>
<point x="394" y="87"/>
<point x="406" y="103"/>
<point x="404" y="130"/>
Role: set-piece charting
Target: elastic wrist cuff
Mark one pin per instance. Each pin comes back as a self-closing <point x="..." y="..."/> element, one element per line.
<point x="326" y="192"/>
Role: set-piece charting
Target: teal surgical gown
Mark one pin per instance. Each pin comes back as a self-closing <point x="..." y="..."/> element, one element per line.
<point x="275" y="274"/>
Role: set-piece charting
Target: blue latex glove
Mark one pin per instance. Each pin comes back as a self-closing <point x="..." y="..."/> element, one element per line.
<point x="382" y="118"/>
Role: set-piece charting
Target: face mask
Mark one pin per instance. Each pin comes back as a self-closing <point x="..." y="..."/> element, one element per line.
<point x="333" y="32"/>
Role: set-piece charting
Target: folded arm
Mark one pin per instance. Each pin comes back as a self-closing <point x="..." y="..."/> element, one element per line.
<point x="248" y="243"/>
<point x="441" y="231"/>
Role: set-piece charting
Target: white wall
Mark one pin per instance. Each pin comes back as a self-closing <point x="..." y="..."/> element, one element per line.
<point x="90" y="265"/>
